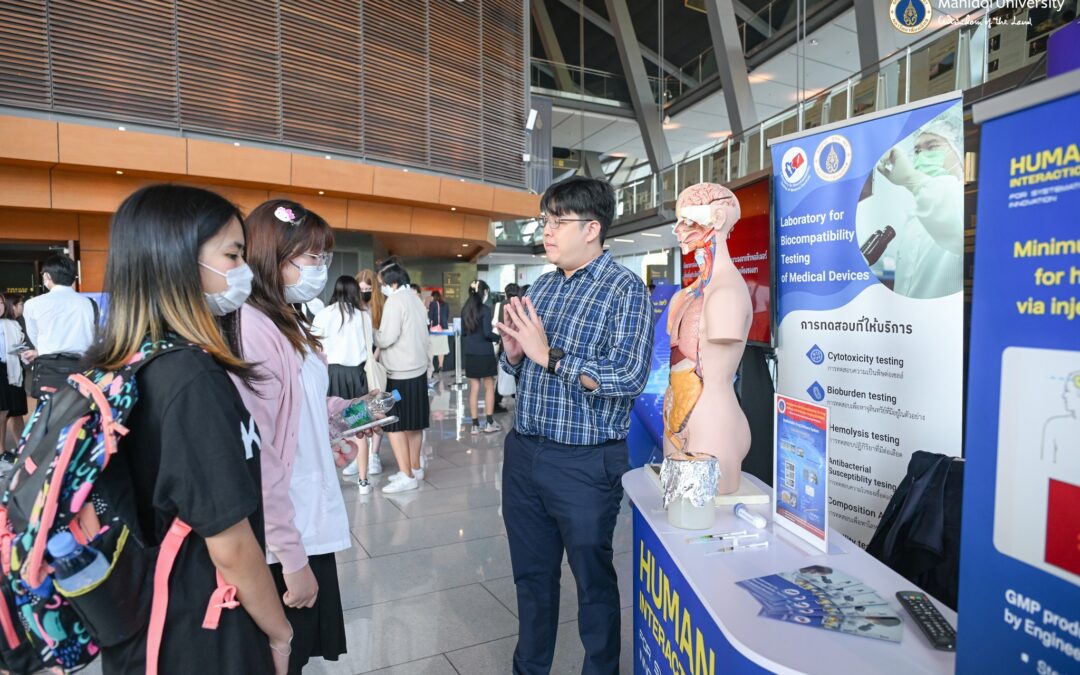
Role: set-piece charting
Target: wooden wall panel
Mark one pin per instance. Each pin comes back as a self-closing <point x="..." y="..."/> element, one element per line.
<point x="93" y="265"/>
<point x="241" y="164"/>
<point x="319" y="173"/>
<point x="229" y="61"/>
<point x="26" y="187"/>
<point x="84" y="145"/>
<point x="405" y="185"/>
<point x="396" y="81"/>
<point x="431" y="84"/>
<point x="92" y="192"/>
<point x="321" y="73"/>
<point x="44" y="226"/>
<point x="28" y="140"/>
<point x="114" y="59"/>
<point x="94" y="232"/>
<point x="431" y="223"/>
<point x="377" y="217"/>
<point x="24" y="54"/>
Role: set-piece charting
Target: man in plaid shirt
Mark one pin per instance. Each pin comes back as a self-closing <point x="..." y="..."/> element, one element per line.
<point x="580" y="344"/>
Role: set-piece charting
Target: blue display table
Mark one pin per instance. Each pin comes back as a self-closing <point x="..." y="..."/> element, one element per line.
<point x="690" y="617"/>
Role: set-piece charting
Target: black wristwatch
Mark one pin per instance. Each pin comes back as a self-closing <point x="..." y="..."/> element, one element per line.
<point x="554" y="356"/>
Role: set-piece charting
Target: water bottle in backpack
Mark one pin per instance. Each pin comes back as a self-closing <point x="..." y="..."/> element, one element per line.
<point x="362" y="412"/>
<point x="75" y="567"/>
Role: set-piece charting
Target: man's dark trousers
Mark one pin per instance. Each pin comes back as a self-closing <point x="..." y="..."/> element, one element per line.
<point x="554" y="497"/>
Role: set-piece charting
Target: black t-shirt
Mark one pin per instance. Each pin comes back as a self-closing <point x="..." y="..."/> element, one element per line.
<point x="192" y="453"/>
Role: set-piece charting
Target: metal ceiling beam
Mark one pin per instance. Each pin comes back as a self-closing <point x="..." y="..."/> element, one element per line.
<point x="654" y="58"/>
<point x="590" y="162"/>
<point x="731" y="65"/>
<point x="551" y="45"/>
<point x="870" y="18"/>
<point x="756" y="22"/>
<point x="646" y="110"/>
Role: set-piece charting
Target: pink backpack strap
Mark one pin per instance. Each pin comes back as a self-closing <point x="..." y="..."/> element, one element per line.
<point x="224" y="597"/>
<point x="170" y="548"/>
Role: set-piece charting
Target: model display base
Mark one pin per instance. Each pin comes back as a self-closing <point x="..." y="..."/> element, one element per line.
<point x="748" y="492"/>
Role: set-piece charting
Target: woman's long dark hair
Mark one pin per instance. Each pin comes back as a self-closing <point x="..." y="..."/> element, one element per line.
<point x="473" y="311"/>
<point x="347" y="296"/>
<point x="153" y="277"/>
<point x="271" y="242"/>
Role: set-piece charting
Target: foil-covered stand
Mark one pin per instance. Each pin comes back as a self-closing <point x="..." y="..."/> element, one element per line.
<point x="689" y="486"/>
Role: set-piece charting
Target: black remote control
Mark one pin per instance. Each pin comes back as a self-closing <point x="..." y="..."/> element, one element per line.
<point x="941" y="635"/>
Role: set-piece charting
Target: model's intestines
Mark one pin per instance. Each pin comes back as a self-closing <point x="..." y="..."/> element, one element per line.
<point x="708" y="324"/>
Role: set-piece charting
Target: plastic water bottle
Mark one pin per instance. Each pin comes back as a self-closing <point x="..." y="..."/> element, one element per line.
<point x="361" y="412"/>
<point x="75" y="567"/>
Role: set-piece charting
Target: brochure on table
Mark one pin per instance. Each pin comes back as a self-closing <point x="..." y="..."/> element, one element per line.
<point x="800" y="470"/>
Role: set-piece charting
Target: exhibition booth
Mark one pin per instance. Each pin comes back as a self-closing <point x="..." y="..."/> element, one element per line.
<point x="826" y="535"/>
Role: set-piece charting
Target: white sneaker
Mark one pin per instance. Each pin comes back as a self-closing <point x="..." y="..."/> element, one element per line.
<point x="364" y="488"/>
<point x="492" y="428"/>
<point x="401" y="486"/>
<point x="418" y="474"/>
<point x="399" y="476"/>
<point x="374" y="464"/>
<point x="351" y="469"/>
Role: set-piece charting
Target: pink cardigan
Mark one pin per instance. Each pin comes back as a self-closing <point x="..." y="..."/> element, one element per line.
<point x="275" y="405"/>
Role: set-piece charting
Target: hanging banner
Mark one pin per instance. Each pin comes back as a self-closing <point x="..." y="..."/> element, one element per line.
<point x="1020" y="549"/>
<point x="869" y="249"/>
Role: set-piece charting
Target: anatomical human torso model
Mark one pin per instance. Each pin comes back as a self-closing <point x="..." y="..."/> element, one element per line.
<point x="708" y="323"/>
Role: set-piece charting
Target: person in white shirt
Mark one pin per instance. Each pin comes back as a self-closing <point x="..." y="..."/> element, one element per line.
<point x="344" y="328"/>
<point x="60" y="324"/>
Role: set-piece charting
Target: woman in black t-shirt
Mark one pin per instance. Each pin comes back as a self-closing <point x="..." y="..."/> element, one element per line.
<point x="175" y="261"/>
<point x="481" y="367"/>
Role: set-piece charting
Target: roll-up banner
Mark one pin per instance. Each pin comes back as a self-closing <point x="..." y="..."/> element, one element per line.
<point x="869" y="220"/>
<point x="1020" y="548"/>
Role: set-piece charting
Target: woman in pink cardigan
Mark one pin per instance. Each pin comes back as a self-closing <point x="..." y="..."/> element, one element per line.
<point x="288" y="249"/>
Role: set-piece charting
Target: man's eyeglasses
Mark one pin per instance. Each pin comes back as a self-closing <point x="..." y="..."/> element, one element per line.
<point x="554" y="222"/>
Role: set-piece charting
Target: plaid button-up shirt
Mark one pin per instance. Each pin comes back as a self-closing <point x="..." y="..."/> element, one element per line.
<point x="601" y="317"/>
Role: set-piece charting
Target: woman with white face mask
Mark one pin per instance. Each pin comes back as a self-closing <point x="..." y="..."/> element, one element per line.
<point x="288" y="248"/>
<point x="402" y="337"/>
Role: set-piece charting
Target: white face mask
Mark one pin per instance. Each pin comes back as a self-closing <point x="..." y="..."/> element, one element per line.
<point x="312" y="282"/>
<point x="233" y="297"/>
<point x="387" y="289"/>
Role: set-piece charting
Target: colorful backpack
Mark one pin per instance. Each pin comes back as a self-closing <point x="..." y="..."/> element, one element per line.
<point x="66" y="446"/>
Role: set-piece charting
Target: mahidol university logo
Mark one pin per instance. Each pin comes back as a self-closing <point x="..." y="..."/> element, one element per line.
<point x="910" y="16"/>
<point x="832" y="158"/>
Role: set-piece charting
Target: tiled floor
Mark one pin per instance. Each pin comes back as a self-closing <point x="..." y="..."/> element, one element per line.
<point x="427" y="587"/>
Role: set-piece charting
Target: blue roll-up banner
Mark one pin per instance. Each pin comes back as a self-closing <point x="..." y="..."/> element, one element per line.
<point x="869" y="241"/>
<point x="1020" y="551"/>
<point x="647" y="421"/>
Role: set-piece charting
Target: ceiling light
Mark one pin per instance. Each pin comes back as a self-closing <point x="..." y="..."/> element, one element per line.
<point x="461" y="180"/>
<point x="464" y="246"/>
<point x="719" y="134"/>
<point x="621" y="155"/>
<point x="756" y="78"/>
<point x="531" y="123"/>
<point x="329" y="157"/>
<point x="651" y="234"/>
<point x="672" y="125"/>
<point x="814" y="42"/>
<point x="236" y="144"/>
<point x="624" y="241"/>
<point x="453" y="208"/>
<point x="459" y="255"/>
<point x="405" y="170"/>
<point x="121" y="128"/>
<point x="119" y="172"/>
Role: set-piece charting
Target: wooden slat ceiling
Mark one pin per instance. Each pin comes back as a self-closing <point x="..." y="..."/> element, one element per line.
<point x="425" y="83"/>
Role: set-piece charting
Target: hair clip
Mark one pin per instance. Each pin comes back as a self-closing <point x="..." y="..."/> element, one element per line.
<point x="286" y="215"/>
